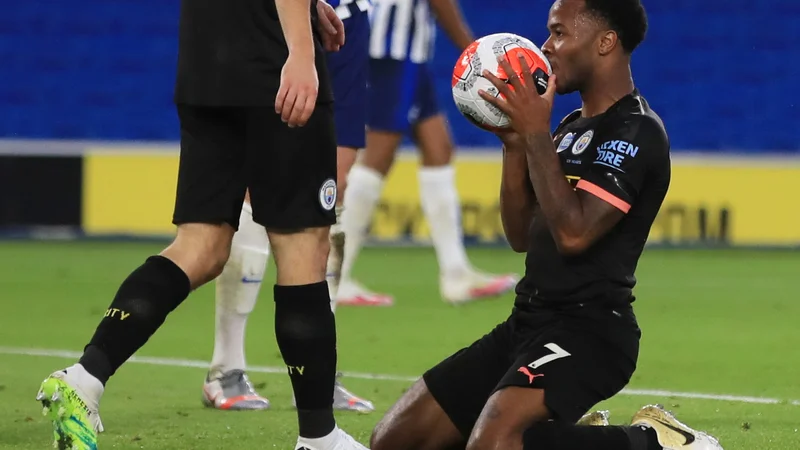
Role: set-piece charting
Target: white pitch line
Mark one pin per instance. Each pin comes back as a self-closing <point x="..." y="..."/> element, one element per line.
<point x="177" y="362"/>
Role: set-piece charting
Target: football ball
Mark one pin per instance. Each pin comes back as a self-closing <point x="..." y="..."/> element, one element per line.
<point x="482" y="55"/>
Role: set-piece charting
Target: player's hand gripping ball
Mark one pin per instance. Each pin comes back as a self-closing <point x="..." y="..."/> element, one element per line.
<point x="482" y="55"/>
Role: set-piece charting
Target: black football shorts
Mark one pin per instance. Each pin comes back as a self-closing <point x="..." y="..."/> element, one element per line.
<point x="579" y="356"/>
<point x="291" y="172"/>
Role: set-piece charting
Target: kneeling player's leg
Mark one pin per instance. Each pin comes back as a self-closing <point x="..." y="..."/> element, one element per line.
<point x="226" y="385"/>
<point x="417" y="421"/>
<point x="560" y="375"/>
<point x="516" y="418"/>
<point x="209" y="195"/>
<point x="440" y="410"/>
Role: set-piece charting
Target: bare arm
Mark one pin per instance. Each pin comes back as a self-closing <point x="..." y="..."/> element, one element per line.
<point x="297" y="95"/>
<point x="449" y="16"/>
<point x="517" y="199"/>
<point x="295" y="18"/>
<point x="576" y="218"/>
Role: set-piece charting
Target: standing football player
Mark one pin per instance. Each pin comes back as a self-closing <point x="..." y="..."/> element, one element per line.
<point x="402" y="100"/>
<point x="227" y="386"/>
<point x="581" y="203"/>
<point x="254" y="102"/>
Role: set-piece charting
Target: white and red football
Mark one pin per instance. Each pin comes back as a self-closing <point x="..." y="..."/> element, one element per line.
<point x="483" y="55"/>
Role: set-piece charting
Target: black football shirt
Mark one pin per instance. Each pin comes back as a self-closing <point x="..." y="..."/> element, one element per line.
<point x="623" y="157"/>
<point x="231" y="52"/>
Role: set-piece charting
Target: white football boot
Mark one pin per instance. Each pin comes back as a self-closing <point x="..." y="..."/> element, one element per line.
<point x="344" y="400"/>
<point x="352" y="293"/>
<point x="233" y="391"/>
<point x="672" y="434"/>
<point x="474" y="285"/>
<point x="594" y="419"/>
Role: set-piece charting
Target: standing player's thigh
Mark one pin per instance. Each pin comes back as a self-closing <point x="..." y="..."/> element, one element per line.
<point x="211" y="174"/>
<point x="349" y="70"/>
<point x="462" y="383"/>
<point x="392" y="95"/>
<point x="291" y="172"/>
<point x="576" y="369"/>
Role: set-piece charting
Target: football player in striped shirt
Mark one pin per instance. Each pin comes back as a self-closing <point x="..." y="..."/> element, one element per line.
<point x="402" y="101"/>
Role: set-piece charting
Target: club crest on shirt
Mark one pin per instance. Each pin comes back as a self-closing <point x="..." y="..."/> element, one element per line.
<point x="327" y="194"/>
<point x="565" y="143"/>
<point x="583" y="142"/>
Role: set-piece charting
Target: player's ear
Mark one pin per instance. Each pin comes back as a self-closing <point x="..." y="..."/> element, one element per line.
<point x="608" y="42"/>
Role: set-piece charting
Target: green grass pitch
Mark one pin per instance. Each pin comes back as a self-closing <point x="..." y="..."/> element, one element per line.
<point x="714" y="322"/>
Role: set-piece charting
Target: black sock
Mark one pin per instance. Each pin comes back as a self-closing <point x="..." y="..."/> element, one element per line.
<point x="643" y="438"/>
<point x="306" y="333"/>
<point x="141" y="305"/>
<point x="564" y="436"/>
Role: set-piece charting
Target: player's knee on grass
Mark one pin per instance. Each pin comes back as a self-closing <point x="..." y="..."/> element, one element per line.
<point x="201" y="250"/>
<point x="380" y="150"/>
<point x="508" y="413"/>
<point x="301" y="256"/>
<point x="433" y="138"/>
<point x="417" y="422"/>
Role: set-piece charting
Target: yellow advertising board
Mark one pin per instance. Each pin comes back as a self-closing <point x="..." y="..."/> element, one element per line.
<point x="740" y="202"/>
<point x="746" y="202"/>
<point x="129" y="191"/>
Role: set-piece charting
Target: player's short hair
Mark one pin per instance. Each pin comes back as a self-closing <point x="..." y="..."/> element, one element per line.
<point x="626" y="17"/>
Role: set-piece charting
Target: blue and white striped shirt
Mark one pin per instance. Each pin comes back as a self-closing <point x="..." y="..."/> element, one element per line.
<point x="402" y="30"/>
<point x="344" y="8"/>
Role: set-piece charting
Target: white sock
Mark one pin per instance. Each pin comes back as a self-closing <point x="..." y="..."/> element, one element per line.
<point x="364" y="187"/>
<point x="323" y="443"/>
<point x="442" y="209"/>
<point x="237" y="291"/>
<point x="90" y="387"/>
<point x="335" y="259"/>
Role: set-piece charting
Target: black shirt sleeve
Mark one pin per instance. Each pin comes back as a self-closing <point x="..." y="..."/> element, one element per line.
<point x="624" y="156"/>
